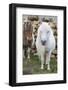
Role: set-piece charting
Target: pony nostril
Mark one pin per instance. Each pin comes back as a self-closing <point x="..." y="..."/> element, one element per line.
<point x="43" y="42"/>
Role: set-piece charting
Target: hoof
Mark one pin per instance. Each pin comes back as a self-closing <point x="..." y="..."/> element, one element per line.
<point x="28" y="58"/>
<point x="42" y="68"/>
<point x="48" y="68"/>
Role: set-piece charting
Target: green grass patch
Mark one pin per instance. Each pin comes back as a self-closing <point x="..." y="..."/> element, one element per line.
<point x="32" y="66"/>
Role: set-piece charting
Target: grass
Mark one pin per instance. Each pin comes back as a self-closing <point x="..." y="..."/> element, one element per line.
<point x="32" y="66"/>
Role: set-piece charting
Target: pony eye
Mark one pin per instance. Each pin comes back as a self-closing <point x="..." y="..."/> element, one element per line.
<point x="40" y="31"/>
<point x="47" y="31"/>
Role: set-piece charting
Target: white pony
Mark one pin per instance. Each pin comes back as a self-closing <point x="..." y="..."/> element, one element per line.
<point x="45" y="43"/>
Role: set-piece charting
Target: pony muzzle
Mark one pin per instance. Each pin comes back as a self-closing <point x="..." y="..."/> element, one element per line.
<point x="43" y="42"/>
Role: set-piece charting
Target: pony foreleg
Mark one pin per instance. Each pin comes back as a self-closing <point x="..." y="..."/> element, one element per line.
<point x="42" y="62"/>
<point x="48" y="54"/>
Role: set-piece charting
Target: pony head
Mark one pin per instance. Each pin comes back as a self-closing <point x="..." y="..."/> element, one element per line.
<point x="44" y="33"/>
